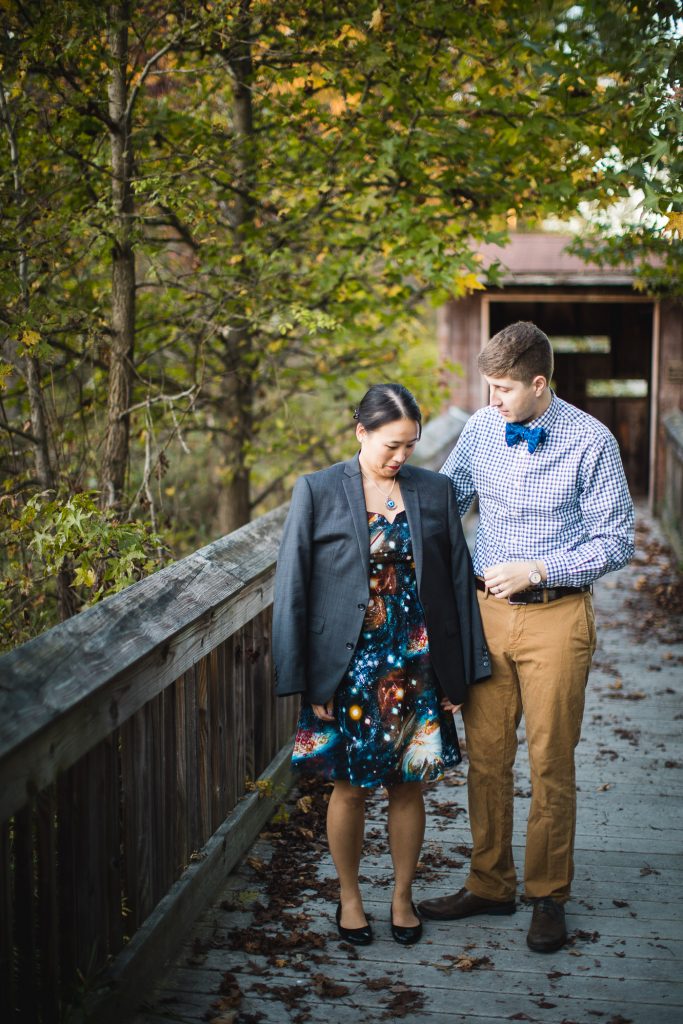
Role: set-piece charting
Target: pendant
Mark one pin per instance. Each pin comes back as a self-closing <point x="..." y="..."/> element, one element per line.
<point x="390" y="503"/>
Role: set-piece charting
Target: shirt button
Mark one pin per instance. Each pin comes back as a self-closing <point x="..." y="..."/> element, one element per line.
<point x="349" y="647"/>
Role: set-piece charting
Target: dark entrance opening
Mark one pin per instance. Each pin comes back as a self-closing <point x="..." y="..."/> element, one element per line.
<point x="603" y="364"/>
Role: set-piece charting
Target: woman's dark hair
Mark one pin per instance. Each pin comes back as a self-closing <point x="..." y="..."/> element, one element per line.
<point x="385" y="403"/>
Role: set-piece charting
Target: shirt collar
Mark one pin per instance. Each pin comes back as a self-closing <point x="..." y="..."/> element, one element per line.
<point x="547" y="418"/>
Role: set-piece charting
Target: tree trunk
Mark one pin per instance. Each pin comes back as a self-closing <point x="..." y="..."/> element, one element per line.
<point x="116" y="443"/>
<point x="39" y="420"/>
<point x="237" y="400"/>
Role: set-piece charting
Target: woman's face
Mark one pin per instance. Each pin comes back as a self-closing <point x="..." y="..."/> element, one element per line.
<point x="383" y="451"/>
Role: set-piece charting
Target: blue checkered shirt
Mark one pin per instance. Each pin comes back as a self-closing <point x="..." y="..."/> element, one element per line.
<point x="567" y="503"/>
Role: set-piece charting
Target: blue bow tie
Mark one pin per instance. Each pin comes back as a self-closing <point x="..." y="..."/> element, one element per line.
<point x="515" y="432"/>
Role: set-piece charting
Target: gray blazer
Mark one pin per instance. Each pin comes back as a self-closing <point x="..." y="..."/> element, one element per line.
<point x="322" y="582"/>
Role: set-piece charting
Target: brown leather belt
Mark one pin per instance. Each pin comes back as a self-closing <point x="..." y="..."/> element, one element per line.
<point x="541" y="596"/>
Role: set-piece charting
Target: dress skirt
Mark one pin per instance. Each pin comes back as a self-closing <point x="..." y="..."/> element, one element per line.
<point x="389" y="726"/>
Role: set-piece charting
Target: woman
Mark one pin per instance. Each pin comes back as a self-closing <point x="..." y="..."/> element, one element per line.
<point x="376" y="623"/>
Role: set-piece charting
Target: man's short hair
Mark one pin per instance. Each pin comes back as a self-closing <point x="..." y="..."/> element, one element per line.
<point x="521" y="351"/>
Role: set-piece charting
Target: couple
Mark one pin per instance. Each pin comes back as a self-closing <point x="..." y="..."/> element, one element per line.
<point x="385" y="627"/>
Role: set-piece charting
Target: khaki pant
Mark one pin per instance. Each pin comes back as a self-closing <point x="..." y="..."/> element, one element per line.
<point x="540" y="656"/>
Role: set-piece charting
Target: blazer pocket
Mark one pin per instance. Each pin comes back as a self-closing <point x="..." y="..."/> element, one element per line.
<point x="316" y="623"/>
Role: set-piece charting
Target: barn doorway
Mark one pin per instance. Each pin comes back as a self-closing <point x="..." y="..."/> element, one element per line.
<point x="603" y="364"/>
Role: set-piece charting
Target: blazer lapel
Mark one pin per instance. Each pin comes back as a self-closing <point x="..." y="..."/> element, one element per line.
<point x="353" y="486"/>
<point x="411" y="500"/>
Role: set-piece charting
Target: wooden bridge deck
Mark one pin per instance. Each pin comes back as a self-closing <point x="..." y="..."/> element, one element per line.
<point x="267" y="950"/>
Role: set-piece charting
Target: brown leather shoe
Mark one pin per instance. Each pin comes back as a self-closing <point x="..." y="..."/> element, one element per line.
<point x="548" y="930"/>
<point x="463" y="904"/>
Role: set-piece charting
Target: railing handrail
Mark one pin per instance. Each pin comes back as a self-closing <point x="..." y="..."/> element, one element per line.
<point x="155" y="630"/>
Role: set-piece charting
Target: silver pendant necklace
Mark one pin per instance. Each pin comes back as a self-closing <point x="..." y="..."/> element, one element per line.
<point x="388" y="500"/>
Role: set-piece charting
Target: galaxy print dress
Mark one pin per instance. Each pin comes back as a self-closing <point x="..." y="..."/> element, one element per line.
<point x="389" y="725"/>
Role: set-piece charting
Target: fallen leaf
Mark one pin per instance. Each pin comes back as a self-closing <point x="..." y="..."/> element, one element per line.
<point x="327" y="988"/>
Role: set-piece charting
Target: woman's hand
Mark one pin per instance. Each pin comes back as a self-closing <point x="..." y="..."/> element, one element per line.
<point x="324" y="711"/>
<point x="448" y="705"/>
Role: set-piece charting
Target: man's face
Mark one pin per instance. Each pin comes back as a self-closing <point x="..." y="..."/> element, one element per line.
<point x="517" y="402"/>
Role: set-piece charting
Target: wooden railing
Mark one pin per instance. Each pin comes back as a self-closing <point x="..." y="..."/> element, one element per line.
<point x="672" y="503"/>
<point x="129" y="736"/>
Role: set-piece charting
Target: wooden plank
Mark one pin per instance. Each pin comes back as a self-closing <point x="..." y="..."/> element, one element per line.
<point x="156" y="810"/>
<point x="236" y="714"/>
<point x="25" y="914"/>
<point x="480" y="995"/>
<point x="89" y="857"/>
<point x="191" y="763"/>
<point x="136" y="799"/>
<point x="203" y="711"/>
<point x="67" y="869"/>
<point x="112" y="838"/>
<point x="216" y="727"/>
<point x="7" y="959"/>
<point x="249" y="678"/>
<point x="48" y="918"/>
<point x="181" y="823"/>
<point x="172" y="865"/>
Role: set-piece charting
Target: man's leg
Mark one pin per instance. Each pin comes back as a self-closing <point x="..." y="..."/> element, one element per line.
<point x="553" y="657"/>
<point x="491" y="715"/>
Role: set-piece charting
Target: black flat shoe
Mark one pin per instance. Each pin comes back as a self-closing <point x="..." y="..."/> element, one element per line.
<point x="358" y="936"/>
<point x="408" y="935"/>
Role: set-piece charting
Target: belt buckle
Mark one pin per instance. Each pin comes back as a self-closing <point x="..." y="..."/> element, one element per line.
<point x="511" y="599"/>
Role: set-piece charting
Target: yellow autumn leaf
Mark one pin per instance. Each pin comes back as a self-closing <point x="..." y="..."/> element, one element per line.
<point x="376" y="23"/>
<point x="675" y="223"/>
<point x="337" y="105"/>
<point x="84" y="577"/>
<point x="349" y="34"/>
<point x="29" y="340"/>
<point x="465" y="283"/>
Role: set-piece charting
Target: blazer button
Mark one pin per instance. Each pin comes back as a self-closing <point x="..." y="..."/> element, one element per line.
<point x="361" y="606"/>
<point x="349" y="647"/>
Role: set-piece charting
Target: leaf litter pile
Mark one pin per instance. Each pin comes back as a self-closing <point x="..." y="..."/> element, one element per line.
<point x="657" y="605"/>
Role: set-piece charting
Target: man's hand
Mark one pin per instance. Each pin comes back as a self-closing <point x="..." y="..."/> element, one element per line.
<point x="509" y="578"/>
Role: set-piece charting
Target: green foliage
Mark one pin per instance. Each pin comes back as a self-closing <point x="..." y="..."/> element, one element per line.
<point x="70" y="535"/>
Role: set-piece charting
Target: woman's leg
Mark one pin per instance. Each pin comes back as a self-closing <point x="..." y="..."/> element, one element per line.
<point x="345" y="833"/>
<point x="406" y="832"/>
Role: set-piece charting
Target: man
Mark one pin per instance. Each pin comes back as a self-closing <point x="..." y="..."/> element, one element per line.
<point x="555" y="514"/>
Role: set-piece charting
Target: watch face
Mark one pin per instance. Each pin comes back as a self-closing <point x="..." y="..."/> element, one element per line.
<point x="535" y="577"/>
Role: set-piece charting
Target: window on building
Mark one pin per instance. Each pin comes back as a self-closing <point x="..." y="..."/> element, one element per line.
<point x="597" y="344"/>
<point x="616" y="388"/>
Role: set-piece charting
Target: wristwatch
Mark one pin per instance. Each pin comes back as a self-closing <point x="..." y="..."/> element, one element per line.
<point x="535" y="577"/>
